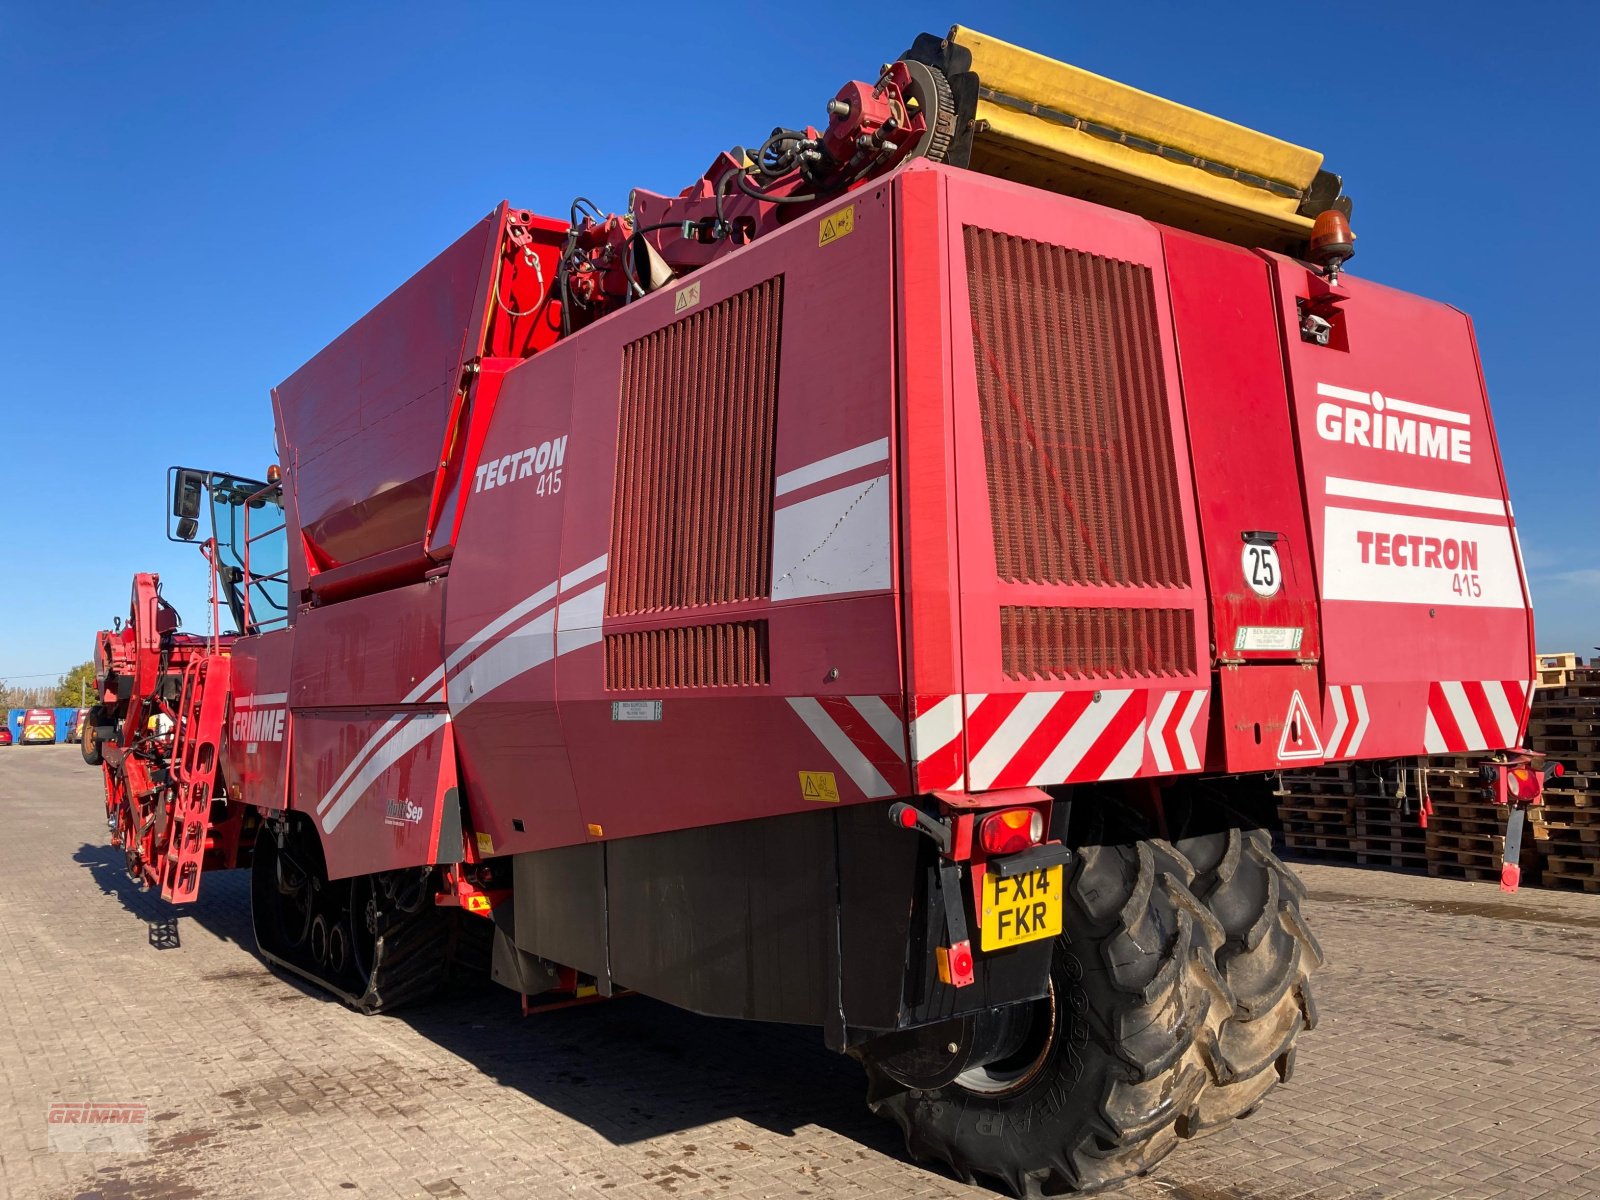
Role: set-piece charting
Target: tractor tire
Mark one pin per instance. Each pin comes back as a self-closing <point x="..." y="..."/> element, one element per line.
<point x="88" y="743"/>
<point x="1266" y="962"/>
<point x="1115" y="1066"/>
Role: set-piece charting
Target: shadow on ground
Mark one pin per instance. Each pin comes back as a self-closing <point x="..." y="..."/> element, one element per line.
<point x="630" y="1069"/>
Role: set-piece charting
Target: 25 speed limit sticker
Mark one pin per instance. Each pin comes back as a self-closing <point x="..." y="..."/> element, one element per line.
<point x="1262" y="570"/>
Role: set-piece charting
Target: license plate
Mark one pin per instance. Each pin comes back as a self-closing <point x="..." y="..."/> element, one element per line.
<point x="1023" y="908"/>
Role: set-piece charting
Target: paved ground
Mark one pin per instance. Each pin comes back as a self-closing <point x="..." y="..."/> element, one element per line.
<point x="1459" y="1055"/>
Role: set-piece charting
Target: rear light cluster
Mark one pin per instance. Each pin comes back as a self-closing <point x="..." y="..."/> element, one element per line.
<point x="1011" y="830"/>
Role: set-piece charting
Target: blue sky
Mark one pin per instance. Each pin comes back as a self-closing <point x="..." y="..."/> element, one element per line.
<point x="195" y="199"/>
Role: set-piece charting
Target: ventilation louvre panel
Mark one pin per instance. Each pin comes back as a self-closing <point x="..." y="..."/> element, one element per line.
<point x="1077" y="431"/>
<point x="692" y="518"/>
<point x="1095" y="643"/>
<point x="731" y="654"/>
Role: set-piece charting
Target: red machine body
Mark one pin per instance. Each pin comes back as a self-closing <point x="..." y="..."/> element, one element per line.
<point x="682" y="583"/>
<point x="845" y="593"/>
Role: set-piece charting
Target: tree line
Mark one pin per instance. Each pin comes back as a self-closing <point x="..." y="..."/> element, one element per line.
<point x="72" y="689"/>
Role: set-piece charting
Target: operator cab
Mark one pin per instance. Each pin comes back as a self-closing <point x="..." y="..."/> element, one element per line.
<point x="248" y="546"/>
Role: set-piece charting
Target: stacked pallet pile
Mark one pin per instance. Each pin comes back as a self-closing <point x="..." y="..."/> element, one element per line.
<point x="1366" y="812"/>
<point x="1566" y="726"/>
<point x="1353" y="812"/>
<point x="1466" y="834"/>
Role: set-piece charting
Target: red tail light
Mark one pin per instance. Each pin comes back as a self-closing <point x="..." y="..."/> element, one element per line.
<point x="1011" y="830"/>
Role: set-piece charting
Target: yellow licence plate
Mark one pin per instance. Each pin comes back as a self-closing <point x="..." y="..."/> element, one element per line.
<point x="1023" y="908"/>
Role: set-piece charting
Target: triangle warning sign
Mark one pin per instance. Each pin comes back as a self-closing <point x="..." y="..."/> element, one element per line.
<point x="1300" y="738"/>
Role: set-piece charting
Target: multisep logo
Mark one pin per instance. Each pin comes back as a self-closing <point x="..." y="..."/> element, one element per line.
<point x="1380" y="422"/>
<point x="401" y="813"/>
<point x="543" y="461"/>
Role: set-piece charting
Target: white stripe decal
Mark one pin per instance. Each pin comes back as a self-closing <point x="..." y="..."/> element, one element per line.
<point x="1432" y="739"/>
<point x="1503" y="716"/>
<point x="1191" y="756"/>
<point x="360" y="759"/>
<point x="834" y="464"/>
<point x="1352" y="396"/>
<point x="1081" y="738"/>
<point x="1358" y="693"/>
<point x="1340" y="719"/>
<point x="582" y="574"/>
<point x="1129" y="759"/>
<point x="883" y="721"/>
<point x="1004" y="743"/>
<point x="1455" y="695"/>
<point x="521" y="650"/>
<point x="1427" y="410"/>
<point x="418" y="728"/>
<point x="263" y="699"/>
<point x="936" y="728"/>
<point x="1366" y="489"/>
<point x="844" y="751"/>
<point x="578" y="619"/>
<point x="1349" y="395"/>
<point x="1158" y="726"/>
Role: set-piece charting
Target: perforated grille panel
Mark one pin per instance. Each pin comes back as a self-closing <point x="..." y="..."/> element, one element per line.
<point x="692" y="520"/>
<point x="731" y="654"/>
<point x="1093" y="643"/>
<point x="1076" y="431"/>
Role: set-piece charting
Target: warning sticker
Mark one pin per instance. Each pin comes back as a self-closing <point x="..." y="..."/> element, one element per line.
<point x="837" y="225"/>
<point x="485" y="844"/>
<point x="686" y="298"/>
<point x="819" y="786"/>
<point x="1300" y="738"/>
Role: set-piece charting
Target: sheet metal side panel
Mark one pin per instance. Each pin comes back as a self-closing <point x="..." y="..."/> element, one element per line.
<point x="1138" y="707"/>
<point x="928" y="523"/>
<point x="365" y="418"/>
<point x="729" y="754"/>
<point x="1242" y="447"/>
<point x="1421" y="582"/>
<point x="259" y="729"/>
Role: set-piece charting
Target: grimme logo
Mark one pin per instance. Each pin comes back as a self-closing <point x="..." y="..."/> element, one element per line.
<point x="86" y="1125"/>
<point x="542" y="460"/>
<point x="401" y="813"/>
<point x="258" y="725"/>
<point x="1381" y="422"/>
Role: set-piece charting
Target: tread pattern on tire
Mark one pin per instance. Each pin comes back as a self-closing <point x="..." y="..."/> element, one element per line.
<point x="1183" y="989"/>
<point x="1266" y="960"/>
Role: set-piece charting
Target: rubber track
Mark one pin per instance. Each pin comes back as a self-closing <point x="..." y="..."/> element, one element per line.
<point x="415" y="956"/>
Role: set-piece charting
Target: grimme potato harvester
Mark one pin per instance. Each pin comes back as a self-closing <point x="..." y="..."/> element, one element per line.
<point x="872" y="588"/>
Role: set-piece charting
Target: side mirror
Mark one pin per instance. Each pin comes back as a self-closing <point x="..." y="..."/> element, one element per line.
<point x="187" y="488"/>
<point x="188" y="492"/>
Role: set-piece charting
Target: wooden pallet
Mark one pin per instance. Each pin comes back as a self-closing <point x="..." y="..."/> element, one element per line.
<point x="1571" y="883"/>
<point x="1454" y="870"/>
<point x="1578" y="867"/>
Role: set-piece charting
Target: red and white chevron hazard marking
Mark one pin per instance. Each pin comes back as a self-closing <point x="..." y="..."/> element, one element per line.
<point x="1039" y="738"/>
<point x="865" y="735"/>
<point x="1348" y="703"/>
<point x="1474" y="714"/>
<point x="1171" y="732"/>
